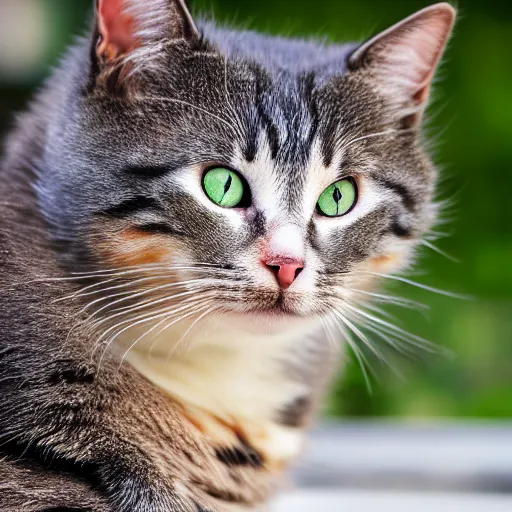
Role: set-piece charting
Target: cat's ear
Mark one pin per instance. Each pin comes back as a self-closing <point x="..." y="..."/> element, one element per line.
<point x="404" y="58"/>
<point x="124" y="27"/>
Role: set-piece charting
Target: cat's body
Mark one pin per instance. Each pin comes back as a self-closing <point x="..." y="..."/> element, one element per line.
<point x="103" y="176"/>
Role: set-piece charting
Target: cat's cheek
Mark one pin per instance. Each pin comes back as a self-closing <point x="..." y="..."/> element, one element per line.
<point x="386" y="263"/>
<point x="396" y="257"/>
<point x="130" y="247"/>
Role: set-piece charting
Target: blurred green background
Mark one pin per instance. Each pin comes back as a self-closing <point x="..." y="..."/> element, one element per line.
<point x="471" y="122"/>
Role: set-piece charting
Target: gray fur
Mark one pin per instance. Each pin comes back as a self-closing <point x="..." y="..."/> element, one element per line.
<point x="98" y="152"/>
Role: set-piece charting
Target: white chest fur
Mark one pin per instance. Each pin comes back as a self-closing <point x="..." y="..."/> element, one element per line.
<point x="223" y="377"/>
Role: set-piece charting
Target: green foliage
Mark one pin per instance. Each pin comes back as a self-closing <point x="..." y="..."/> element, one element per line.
<point x="471" y="125"/>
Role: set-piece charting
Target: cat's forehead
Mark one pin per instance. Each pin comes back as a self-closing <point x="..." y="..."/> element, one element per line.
<point x="291" y="127"/>
<point x="279" y="53"/>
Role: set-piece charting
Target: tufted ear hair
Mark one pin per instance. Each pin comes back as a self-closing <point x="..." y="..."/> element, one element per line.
<point x="404" y="58"/>
<point x="132" y="32"/>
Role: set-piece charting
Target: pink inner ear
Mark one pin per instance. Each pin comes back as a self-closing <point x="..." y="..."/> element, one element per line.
<point x="414" y="56"/>
<point x="406" y="55"/>
<point x="428" y="46"/>
<point x="117" y="29"/>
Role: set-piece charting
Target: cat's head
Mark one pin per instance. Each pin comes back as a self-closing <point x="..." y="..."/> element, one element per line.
<point x="230" y="172"/>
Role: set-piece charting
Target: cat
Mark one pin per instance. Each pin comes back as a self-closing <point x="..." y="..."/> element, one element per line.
<point x="191" y="217"/>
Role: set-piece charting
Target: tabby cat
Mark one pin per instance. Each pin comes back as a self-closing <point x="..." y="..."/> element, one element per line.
<point x="191" y="217"/>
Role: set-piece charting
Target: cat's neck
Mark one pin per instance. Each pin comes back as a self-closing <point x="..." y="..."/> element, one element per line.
<point x="231" y="384"/>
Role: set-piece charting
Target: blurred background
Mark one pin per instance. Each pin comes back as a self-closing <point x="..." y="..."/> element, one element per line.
<point x="471" y="123"/>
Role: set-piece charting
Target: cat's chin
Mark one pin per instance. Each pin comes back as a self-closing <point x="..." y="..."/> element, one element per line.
<point x="270" y="322"/>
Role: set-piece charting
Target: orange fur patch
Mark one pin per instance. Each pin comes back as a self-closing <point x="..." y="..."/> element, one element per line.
<point x="237" y="433"/>
<point x="132" y="247"/>
<point x="384" y="262"/>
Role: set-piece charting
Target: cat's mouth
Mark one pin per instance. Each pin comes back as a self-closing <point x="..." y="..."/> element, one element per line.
<point x="275" y="306"/>
<point x="278" y="311"/>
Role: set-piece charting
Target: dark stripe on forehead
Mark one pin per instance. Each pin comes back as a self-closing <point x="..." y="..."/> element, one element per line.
<point x="251" y="144"/>
<point x="295" y="112"/>
<point x="284" y="109"/>
<point x="270" y="129"/>
<point x="256" y="116"/>
<point x="329" y="136"/>
<point x="265" y="120"/>
<point x="309" y="93"/>
<point x="398" y="188"/>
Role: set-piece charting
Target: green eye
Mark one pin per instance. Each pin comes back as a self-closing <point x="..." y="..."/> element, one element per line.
<point x="224" y="187"/>
<point x="338" y="199"/>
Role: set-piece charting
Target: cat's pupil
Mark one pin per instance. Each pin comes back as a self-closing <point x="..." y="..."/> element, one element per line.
<point x="337" y="195"/>
<point x="228" y="183"/>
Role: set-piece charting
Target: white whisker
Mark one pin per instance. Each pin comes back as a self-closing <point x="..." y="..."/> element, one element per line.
<point x="133" y="295"/>
<point x="140" y="321"/>
<point x="417" y="285"/>
<point x="126" y="271"/>
<point x="361" y="336"/>
<point x="329" y="334"/>
<point x="397" y="331"/>
<point x="369" y="136"/>
<point x="393" y="300"/>
<point x="193" y="107"/>
<point x="361" y="358"/>
<point x="375" y="309"/>
<point x="188" y="331"/>
<point x="138" y="307"/>
<point x="173" y="322"/>
<point x="80" y="293"/>
<point x="439" y="251"/>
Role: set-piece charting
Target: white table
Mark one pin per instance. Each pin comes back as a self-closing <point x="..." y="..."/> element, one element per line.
<point x="382" y="501"/>
<point x="379" y="467"/>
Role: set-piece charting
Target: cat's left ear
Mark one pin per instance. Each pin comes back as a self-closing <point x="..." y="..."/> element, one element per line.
<point x="404" y="58"/>
<point x="126" y="25"/>
<point x="130" y="32"/>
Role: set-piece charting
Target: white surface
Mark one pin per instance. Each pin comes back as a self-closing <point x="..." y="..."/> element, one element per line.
<point x="379" y="455"/>
<point x="353" y="501"/>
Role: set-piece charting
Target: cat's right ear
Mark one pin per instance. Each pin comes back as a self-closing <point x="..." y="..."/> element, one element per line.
<point x="130" y="33"/>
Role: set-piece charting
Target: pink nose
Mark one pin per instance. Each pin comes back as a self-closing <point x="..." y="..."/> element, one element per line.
<point x="285" y="269"/>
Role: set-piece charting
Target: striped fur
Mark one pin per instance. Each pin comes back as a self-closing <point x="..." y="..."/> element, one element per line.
<point x="148" y="359"/>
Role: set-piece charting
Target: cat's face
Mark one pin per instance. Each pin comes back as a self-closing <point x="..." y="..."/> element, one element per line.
<point x="228" y="185"/>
